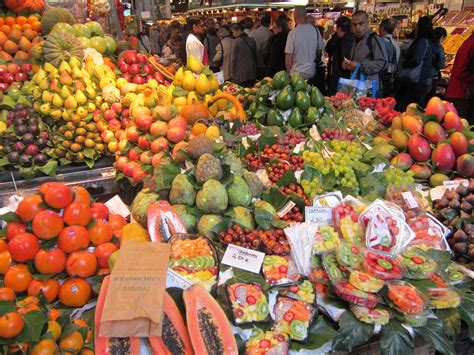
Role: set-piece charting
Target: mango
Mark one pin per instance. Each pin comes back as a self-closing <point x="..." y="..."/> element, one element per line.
<point x="421" y="171"/>
<point x="434" y="132"/>
<point x="452" y="121"/>
<point x="399" y="139"/>
<point x="435" y="107"/>
<point x="437" y="179"/>
<point x="412" y="124"/>
<point x="465" y="166"/>
<point x="419" y="148"/>
<point x="402" y="161"/>
<point x="443" y="157"/>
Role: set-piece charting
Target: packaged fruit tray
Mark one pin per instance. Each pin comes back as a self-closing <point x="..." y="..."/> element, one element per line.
<point x="365" y="281"/>
<point x="445" y="297"/>
<point x="378" y="316"/>
<point x="408" y="200"/>
<point x="353" y="295"/>
<point x="334" y="270"/>
<point x="280" y="270"/>
<point x="350" y="256"/>
<point x="418" y="263"/>
<point x="325" y="239"/>
<point x="407" y="298"/>
<point x="293" y="317"/>
<point x="382" y="266"/>
<point x="268" y="342"/>
<point x="346" y="222"/>
<point x="428" y="228"/>
<point x="194" y="257"/>
<point x="248" y="303"/>
<point x="303" y="291"/>
<point x="386" y="233"/>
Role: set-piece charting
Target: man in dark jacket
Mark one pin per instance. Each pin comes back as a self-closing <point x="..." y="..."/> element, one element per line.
<point x="338" y="48"/>
<point x="244" y="57"/>
<point x="276" y="47"/>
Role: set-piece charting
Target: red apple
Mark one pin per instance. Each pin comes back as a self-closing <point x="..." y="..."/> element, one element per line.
<point x="141" y="58"/>
<point x="132" y="134"/>
<point x="143" y="142"/>
<point x="139" y="175"/>
<point x="8" y="78"/>
<point x="146" y="157"/>
<point x="130" y="56"/>
<point x="21" y="77"/>
<point x="124" y="68"/>
<point x="178" y="121"/>
<point x="117" y="107"/>
<point x="158" y="144"/>
<point x="115" y="125"/>
<point x="101" y="126"/>
<point x="147" y="69"/>
<point x="134" y="69"/>
<point x="144" y="122"/>
<point x="156" y="159"/>
<point x="137" y="79"/>
<point x="119" y="134"/>
<point x="176" y="134"/>
<point x="129" y="168"/>
<point x="110" y="114"/>
<point x="128" y="77"/>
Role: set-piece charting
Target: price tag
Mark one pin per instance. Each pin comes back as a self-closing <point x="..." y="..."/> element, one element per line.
<point x="243" y="258"/>
<point x="116" y="206"/>
<point x="219" y="76"/>
<point x="287" y="208"/>
<point x="173" y="279"/>
<point x="452" y="184"/>
<point x="318" y="215"/>
<point x="410" y="200"/>
<point x="437" y="192"/>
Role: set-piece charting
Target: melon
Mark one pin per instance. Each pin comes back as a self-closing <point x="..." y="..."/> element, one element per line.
<point x="80" y="30"/>
<point x="208" y="326"/>
<point x="86" y="43"/>
<point x="62" y="27"/>
<point x="110" y="44"/>
<point x="95" y="28"/>
<point x="54" y="15"/>
<point x="98" y="44"/>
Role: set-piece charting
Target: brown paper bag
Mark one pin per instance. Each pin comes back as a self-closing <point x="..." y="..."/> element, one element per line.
<point x="133" y="305"/>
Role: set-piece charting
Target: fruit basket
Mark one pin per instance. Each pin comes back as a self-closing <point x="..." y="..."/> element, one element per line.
<point x="248" y="303"/>
<point x="293" y="317"/>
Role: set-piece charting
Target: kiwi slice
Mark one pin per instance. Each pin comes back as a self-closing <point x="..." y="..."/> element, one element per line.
<point x="262" y="309"/>
<point x="305" y="286"/>
<point x="385" y="241"/>
<point x="355" y="260"/>
<point x="193" y="264"/>
<point x="199" y="262"/>
<point x="385" y="264"/>
<point x="409" y="254"/>
<point x="211" y="261"/>
<point x="298" y="330"/>
<point x="427" y="266"/>
<point x="344" y="259"/>
<point x="346" y="249"/>
<point x="185" y="262"/>
<point x="268" y="260"/>
<point x="335" y="272"/>
<point x="456" y="276"/>
<point x="172" y="263"/>
<point x="331" y="259"/>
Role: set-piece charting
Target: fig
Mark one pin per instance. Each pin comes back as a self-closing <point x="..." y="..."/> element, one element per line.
<point x="17" y="121"/>
<point x="460" y="236"/>
<point x="469" y="228"/>
<point x="464" y="215"/>
<point x="460" y="248"/>
<point x="41" y="159"/>
<point x="33" y="129"/>
<point x="451" y="195"/>
<point x="462" y="190"/>
<point x="470" y="252"/>
<point x="471" y="186"/>
<point x="21" y="130"/>
<point x="41" y="143"/>
<point x="443" y="202"/>
<point x="13" y="157"/>
<point x="25" y="160"/>
<point x="470" y="198"/>
<point x="454" y="204"/>
<point x="466" y="207"/>
<point x="453" y="222"/>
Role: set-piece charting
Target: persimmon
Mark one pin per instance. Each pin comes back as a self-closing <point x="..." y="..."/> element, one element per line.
<point x="73" y="238"/>
<point x="50" y="288"/>
<point x="5" y="262"/>
<point x="18" y="278"/>
<point x="81" y="195"/>
<point x="77" y="213"/>
<point x="81" y="263"/>
<point x="23" y="247"/>
<point x="47" y="224"/>
<point x="52" y="261"/>
<point x="74" y="292"/>
<point x="99" y="210"/>
<point x="58" y="195"/>
<point x="11" y="324"/>
<point x="29" y="207"/>
<point x="15" y="228"/>
<point x="7" y="294"/>
<point x="101" y="232"/>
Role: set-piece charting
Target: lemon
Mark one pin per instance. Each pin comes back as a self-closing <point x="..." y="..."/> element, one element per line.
<point x="213" y="132"/>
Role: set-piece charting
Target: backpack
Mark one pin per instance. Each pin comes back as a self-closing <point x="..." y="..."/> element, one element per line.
<point x="384" y="52"/>
<point x="392" y="64"/>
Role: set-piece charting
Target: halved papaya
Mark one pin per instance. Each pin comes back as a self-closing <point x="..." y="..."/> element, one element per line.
<point x="105" y="345"/>
<point x="175" y="338"/>
<point x="163" y="222"/>
<point x="208" y="326"/>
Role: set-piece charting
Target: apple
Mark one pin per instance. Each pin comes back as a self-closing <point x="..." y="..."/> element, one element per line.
<point x="132" y="134"/>
<point x="129" y="168"/>
<point x="110" y="115"/>
<point x="133" y="154"/>
<point x="26" y="68"/>
<point x="107" y="136"/>
<point x="137" y="79"/>
<point x="117" y="107"/>
<point x="130" y="56"/>
<point x="176" y="134"/>
<point x="144" y="122"/>
<point x="112" y="147"/>
<point x="178" y="121"/>
<point x="159" y="128"/>
<point x="143" y="142"/>
<point x="160" y="143"/>
<point x="146" y="157"/>
<point x="119" y="133"/>
<point x="128" y="77"/>
<point x="122" y="145"/>
<point x="13" y="68"/>
<point x="134" y="69"/>
<point x="3" y="87"/>
<point x="148" y="78"/>
<point x="8" y="78"/>
<point x="101" y="126"/>
<point x="115" y="125"/>
<point x="124" y="68"/>
<point x="21" y="77"/>
<point x="125" y="122"/>
<point x="126" y="113"/>
<point x="120" y="162"/>
<point x="147" y="69"/>
<point x="141" y="58"/>
<point x="121" y="61"/>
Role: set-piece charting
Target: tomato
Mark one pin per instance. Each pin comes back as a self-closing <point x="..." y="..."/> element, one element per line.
<point x="29" y="207"/>
<point x="72" y="343"/>
<point x="18" y="278"/>
<point x="74" y="292"/>
<point x="47" y="224"/>
<point x="102" y="252"/>
<point x="5" y="262"/>
<point x="73" y="238"/>
<point x="117" y="221"/>
<point x="81" y="195"/>
<point x="50" y="288"/>
<point x="52" y="261"/>
<point x="15" y="228"/>
<point x="28" y="304"/>
<point x="11" y="324"/>
<point x="99" y="211"/>
<point x="58" y="195"/>
<point x="7" y="294"/>
<point x="23" y="247"/>
<point x="45" y="347"/>
<point x="55" y="329"/>
<point x="77" y="213"/>
<point x="81" y="263"/>
<point x="101" y="232"/>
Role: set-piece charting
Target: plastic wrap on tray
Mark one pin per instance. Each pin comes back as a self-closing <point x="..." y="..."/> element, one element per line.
<point x="417" y="262"/>
<point x="334" y="270"/>
<point x="194" y="257"/>
<point x="248" y="303"/>
<point x="382" y="266"/>
<point x="407" y="298"/>
<point x="350" y="256"/>
<point x="455" y="274"/>
<point x="267" y="343"/>
<point x="293" y="317"/>
<point x="280" y="270"/>
<point x="378" y="316"/>
<point x="428" y="228"/>
<point x="353" y="295"/>
<point x="163" y="222"/>
<point x="304" y="291"/>
<point x="415" y="320"/>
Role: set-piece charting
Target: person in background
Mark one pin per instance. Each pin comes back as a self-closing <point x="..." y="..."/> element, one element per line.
<point x="440" y="35"/>
<point x="173" y="47"/>
<point x="421" y="52"/>
<point x="247" y="25"/>
<point x="303" y="46"/>
<point x="461" y="84"/>
<point x="276" y="47"/>
<point x="319" y="78"/>
<point x="194" y="44"/>
<point x="262" y="35"/>
<point x="338" y="48"/>
<point x="386" y="29"/>
<point x="223" y="55"/>
<point x="210" y="42"/>
<point x="310" y="20"/>
<point x="244" y="57"/>
<point x="368" y="50"/>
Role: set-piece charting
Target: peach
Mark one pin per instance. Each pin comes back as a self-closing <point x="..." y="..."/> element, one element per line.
<point x="158" y="144"/>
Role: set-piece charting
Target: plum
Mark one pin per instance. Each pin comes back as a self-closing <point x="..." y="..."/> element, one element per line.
<point x="25" y="160"/>
<point x="33" y="121"/>
<point x="28" y="138"/>
<point x="32" y="150"/>
<point x="21" y="130"/>
<point x="13" y="157"/>
<point x="41" y="143"/>
<point x="19" y="147"/>
<point x="33" y="129"/>
<point x="44" y="135"/>
<point x="17" y="121"/>
<point x="41" y="159"/>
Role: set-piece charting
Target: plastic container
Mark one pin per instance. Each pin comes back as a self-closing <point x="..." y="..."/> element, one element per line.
<point x="407" y="298"/>
<point x="334" y="270"/>
<point x="378" y="316"/>
<point x="455" y="275"/>
<point x="326" y="239"/>
<point x="331" y="199"/>
<point x="303" y="291"/>
<point x="442" y="298"/>
<point x="248" y="303"/>
<point x="408" y="199"/>
<point x="280" y="270"/>
<point x="346" y="222"/>
<point x="350" y="256"/>
<point x="293" y="317"/>
<point x="418" y="263"/>
<point x="268" y="342"/>
<point x="194" y="257"/>
<point x="382" y="266"/>
<point x="415" y="320"/>
<point x="355" y="296"/>
<point x="365" y="282"/>
<point x="371" y="211"/>
<point x="428" y="228"/>
<point x="426" y="245"/>
<point x="385" y="233"/>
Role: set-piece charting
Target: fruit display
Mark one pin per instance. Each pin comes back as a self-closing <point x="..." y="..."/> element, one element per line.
<point x="293" y="317"/>
<point x="365" y="282"/>
<point x="303" y="291"/>
<point x="17" y="37"/>
<point x="326" y="239"/>
<point x="382" y="266"/>
<point x="248" y="302"/>
<point x="246" y="238"/>
<point x="407" y="298"/>
<point x="268" y="342"/>
<point x="353" y="295"/>
<point x="135" y="68"/>
<point x="279" y="270"/>
<point x="13" y="73"/>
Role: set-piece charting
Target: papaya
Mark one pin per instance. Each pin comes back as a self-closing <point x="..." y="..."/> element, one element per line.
<point x="285" y="99"/>
<point x="208" y="326"/>
<point x="317" y="99"/>
<point x="175" y="338"/>
<point x="312" y="115"/>
<point x="296" y="118"/>
<point x="302" y="101"/>
<point x="297" y="82"/>
<point x="105" y="345"/>
<point x="274" y="118"/>
<point x="280" y="80"/>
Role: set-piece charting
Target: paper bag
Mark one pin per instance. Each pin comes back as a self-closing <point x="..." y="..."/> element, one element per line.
<point x="133" y="305"/>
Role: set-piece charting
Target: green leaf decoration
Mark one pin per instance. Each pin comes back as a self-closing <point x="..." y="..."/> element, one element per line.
<point x="395" y="339"/>
<point x="49" y="168"/>
<point x="242" y="276"/>
<point x="10" y="217"/>
<point x="319" y="334"/>
<point x="433" y="333"/>
<point x="466" y="310"/>
<point x="442" y="258"/>
<point x="164" y="175"/>
<point x="351" y="333"/>
<point x="373" y="184"/>
<point x="451" y="321"/>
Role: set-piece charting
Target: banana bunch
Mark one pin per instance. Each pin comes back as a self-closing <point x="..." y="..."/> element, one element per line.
<point x="155" y="92"/>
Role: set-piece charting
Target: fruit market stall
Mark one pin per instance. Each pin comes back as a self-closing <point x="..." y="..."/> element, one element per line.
<point x="291" y="221"/>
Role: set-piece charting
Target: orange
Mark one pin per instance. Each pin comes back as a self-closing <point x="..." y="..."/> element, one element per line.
<point x="36" y="26"/>
<point x="6" y="294"/>
<point x="26" y="26"/>
<point x="72" y="343"/>
<point x="45" y="347"/>
<point x="21" y="20"/>
<point x="198" y="129"/>
<point x="16" y="27"/>
<point x="74" y="292"/>
<point x="10" y="20"/>
<point x="32" y="18"/>
<point x="11" y="324"/>
<point x="55" y="329"/>
<point x="5" y="262"/>
<point x="83" y="323"/>
<point x="50" y="288"/>
<point x="2" y="21"/>
<point x="18" y="278"/>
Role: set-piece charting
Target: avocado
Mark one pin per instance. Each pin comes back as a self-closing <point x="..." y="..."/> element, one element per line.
<point x="274" y="118"/>
<point x="302" y="101"/>
<point x="285" y="99"/>
<point x="312" y="115"/>
<point x="317" y="99"/>
<point x="296" y="118"/>
<point x="280" y="80"/>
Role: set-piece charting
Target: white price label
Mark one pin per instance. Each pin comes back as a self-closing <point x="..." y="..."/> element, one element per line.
<point x="318" y="215"/>
<point x="452" y="184"/>
<point x="173" y="279"/>
<point x="287" y="208"/>
<point x="116" y="206"/>
<point x="219" y="76"/>
<point x="243" y="258"/>
<point x="410" y="200"/>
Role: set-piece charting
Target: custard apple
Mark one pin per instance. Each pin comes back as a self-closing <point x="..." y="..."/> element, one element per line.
<point x="208" y="167"/>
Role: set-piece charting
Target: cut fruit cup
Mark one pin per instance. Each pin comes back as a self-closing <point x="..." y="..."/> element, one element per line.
<point x="382" y="266"/>
<point x="326" y="239"/>
<point x="353" y="295"/>
<point x="365" y="282"/>
<point x="385" y="233"/>
<point x="293" y="317"/>
<point x="455" y="274"/>
<point x="371" y="211"/>
<point x="280" y="270"/>
<point x="407" y="298"/>
<point x="350" y="256"/>
<point x="417" y="262"/>
<point x="334" y="270"/>
<point x="268" y="342"/>
<point x="248" y="303"/>
<point x="428" y="228"/>
<point x="378" y="316"/>
<point x="442" y="298"/>
<point x="415" y="320"/>
<point x="303" y="291"/>
<point x="346" y="222"/>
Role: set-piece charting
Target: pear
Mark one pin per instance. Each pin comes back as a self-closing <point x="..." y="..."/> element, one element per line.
<point x="178" y="77"/>
<point x="49" y="67"/>
<point x="76" y="73"/>
<point x="74" y="62"/>
<point x="214" y="84"/>
<point x="80" y="97"/>
<point x="56" y="114"/>
<point x="65" y="92"/>
<point x="55" y="86"/>
<point x="46" y="96"/>
<point x="79" y="85"/>
<point x="36" y="93"/>
<point x="53" y="74"/>
<point x="44" y="84"/>
<point x="82" y="112"/>
<point x="57" y="101"/>
<point x="90" y="92"/>
<point x="203" y="85"/>
<point x="194" y="64"/>
<point x="70" y="103"/>
<point x="65" y="115"/>
<point x="45" y="109"/>
<point x="189" y="82"/>
<point x="64" y="66"/>
<point x="91" y="107"/>
<point x="39" y="76"/>
<point x="65" y="78"/>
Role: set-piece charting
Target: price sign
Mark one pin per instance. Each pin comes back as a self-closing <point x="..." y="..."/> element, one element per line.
<point x="243" y="258"/>
<point x="452" y="184"/>
<point x="116" y="206"/>
<point x="173" y="279"/>
<point x="318" y="215"/>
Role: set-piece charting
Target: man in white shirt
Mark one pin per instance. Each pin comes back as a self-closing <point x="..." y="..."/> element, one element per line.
<point x="194" y="45"/>
<point x="303" y="46"/>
